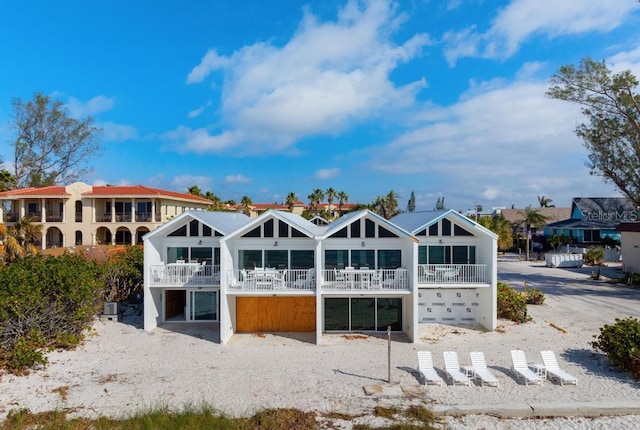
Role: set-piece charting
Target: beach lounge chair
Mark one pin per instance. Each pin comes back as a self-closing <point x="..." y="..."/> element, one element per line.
<point x="554" y="371"/>
<point x="425" y="366"/>
<point x="480" y="370"/>
<point x="522" y="370"/>
<point x="452" y="367"/>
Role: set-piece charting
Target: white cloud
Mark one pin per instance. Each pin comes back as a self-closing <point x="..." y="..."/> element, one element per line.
<point x="236" y="179"/>
<point x="327" y="173"/>
<point x="185" y="139"/>
<point x="80" y="109"/>
<point x="501" y="144"/>
<point x="117" y="132"/>
<point x="626" y="60"/>
<point x="183" y="182"/>
<point x="521" y="19"/>
<point x="198" y="111"/>
<point x="328" y="77"/>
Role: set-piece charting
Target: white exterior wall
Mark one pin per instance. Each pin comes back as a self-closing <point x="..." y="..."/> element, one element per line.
<point x="152" y="298"/>
<point x="488" y="306"/>
<point x="630" y="249"/>
<point x="227" y="303"/>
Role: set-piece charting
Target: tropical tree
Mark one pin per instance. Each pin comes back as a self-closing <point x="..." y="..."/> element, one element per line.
<point x="194" y="190"/>
<point x="215" y="200"/>
<point x="500" y="226"/>
<point x="331" y="194"/>
<point x="440" y="204"/>
<point x="386" y="206"/>
<point x="19" y="240"/>
<point x="545" y="202"/>
<point x="611" y="133"/>
<point x="7" y="181"/>
<point x="531" y="218"/>
<point x="291" y="200"/>
<point x="50" y="147"/>
<point x="342" y="199"/>
<point x="315" y="198"/>
<point x="245" y="205"/>
<point x="411" y="203"/>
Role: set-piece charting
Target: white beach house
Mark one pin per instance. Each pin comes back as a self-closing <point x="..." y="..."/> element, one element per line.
<point x="279" y="272"/>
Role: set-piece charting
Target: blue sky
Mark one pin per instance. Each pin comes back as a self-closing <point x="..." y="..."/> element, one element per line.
<point x="442" y="98"/>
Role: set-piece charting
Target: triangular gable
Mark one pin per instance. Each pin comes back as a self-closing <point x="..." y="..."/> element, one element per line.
<point x="222" y="222"/>
<point x="296" y="222"/>
<point x="435" y="217"/>
<point x="384" y="225"/>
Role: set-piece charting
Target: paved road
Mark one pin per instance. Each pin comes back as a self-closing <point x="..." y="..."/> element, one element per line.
<point x="572" y="291"/>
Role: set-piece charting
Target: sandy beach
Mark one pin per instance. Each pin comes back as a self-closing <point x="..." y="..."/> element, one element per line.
<point x="122" y="369"/>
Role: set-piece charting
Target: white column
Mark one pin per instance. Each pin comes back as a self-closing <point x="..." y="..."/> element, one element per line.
<point x="318" y="292"/>
<point x="133" y="210"/>
<point x="153" y="210"/>
<point x="113" y="211"/>
<point x="43" y="212"/>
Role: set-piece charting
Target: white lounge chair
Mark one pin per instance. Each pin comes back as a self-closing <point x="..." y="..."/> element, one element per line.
<point x="452" y="367"/>
<point x="480" y="370"/>
<point x="425" y="366"/>
<point x="554" y="371"/>
<point x="522" y="370"/>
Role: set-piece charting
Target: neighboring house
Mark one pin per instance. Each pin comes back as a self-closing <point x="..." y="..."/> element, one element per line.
<point x="81" y="214"/>
<point x="279" y="272"/>
<point x="515" y="216"/>
<point x="593" y="219"/>
<point x="630" y="246"/>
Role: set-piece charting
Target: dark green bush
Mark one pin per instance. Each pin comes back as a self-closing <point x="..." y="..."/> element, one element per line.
<point x="45" y="302"/>
<point x="621" y="343"/>
<point x="535" y="296"/>
<point x="511" y="303"/>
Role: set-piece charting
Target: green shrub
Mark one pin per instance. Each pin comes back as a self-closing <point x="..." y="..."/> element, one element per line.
<point x="535" y="296"/>
<point x="511" y="303"/>
<point x="594" y="255"/>
<point x="621" y="343"/>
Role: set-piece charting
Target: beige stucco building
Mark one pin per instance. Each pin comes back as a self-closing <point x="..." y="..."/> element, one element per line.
<point x="81" y="214"/>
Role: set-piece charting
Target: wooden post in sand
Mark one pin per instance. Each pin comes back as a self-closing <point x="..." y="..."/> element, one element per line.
<point x="525" y="301"/>
<point x="389" y="354"/>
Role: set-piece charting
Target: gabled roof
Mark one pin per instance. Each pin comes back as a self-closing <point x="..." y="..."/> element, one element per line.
<point x="141" y="191"/>
<point x="52" y="191"/>
<point x="350" y="217"/>
<point x="223" y="222"/>
<point x="415" y="222"/>
<point x="294" y="220"/>
<point x="552" y="214"/>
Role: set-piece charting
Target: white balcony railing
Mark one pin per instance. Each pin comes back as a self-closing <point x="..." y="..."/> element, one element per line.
<point x="272" y="279"/>
<point x="366" y="279"/>
<point x="184" y="274"/>
<point x="452" y="274"/>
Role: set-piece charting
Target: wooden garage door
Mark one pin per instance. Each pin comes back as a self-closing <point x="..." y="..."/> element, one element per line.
<point x="269" y="314"/>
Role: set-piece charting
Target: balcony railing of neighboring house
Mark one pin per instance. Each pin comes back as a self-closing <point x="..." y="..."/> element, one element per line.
<point x="54" y="217"/>
<point x="452" y="274"/>
<point x="123" y="216"/>
<point x="272" y="280"/>
<point x="105" y="217"/>
<point x="37" y="215"/>
<point x="10" y="217"/>
<point x="366" y="279"/>
<point x="184" y="274"/>
<point x="143" y="216"/>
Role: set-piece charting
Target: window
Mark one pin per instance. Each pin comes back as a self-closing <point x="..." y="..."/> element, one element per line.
<point x="202" y="254"/>
<point x="182" y="231"/>
<point x="177" y="253"/>
<point x="268" y="228"/>
<point x="355" y="229"/>
<point x="340" y="233"/>
<point x="206" y="230"/>
<point x="194" y="228"/>
<point x="362" y="314"/>
<point x="459" y="231"/>
<point x="389" y="258"/>
<point x="433" y="229"/>
<point x="249" y="258"/>
<point x="383" y="232"/>
<point x="369" y="228"/>
<point x="446" y="227"/>
<point x="283" y="229"/>
<point x="277" y="259"/>
<point x="363" y="258"/>
<point x="302" y="259"/>
<point x="336" y="259"/>
<point x="297" y="233"/>
<point x="253" y="233"/>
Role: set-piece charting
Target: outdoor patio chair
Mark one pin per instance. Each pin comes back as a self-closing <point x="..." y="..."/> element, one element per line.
<point x="522" y="370"/>
<point x="480" y="370"/>
<point x="554" y="371"/>
<point x="425" y="367"/>
<point x="452" y="367"/>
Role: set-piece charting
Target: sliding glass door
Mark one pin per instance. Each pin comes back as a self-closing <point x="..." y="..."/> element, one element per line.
<point x="362" y="314"/>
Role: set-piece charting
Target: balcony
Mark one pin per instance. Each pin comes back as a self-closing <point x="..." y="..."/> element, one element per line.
<point x="452" y="274"/>
<point x="261" y="279"/>
<point x="9" y="217"/>
<point x="184" y="274"/>
<point x="366" y="279"/>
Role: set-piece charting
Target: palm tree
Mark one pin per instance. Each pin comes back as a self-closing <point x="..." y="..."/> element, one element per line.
<point x="386" y="206"/>
<point x="500" y="226"/>
<point x="331" y="194"/>
<point x="342" y="199"/>
<point x="315" y="198"/>
<point x="531" y="218"/>
<point x="217" y="203"/>
<point x="545" y="202"/>
<point x="194" y="190"/>
<point x="291" y="200"/>
<point x="20" y="239"/>
<point x="245" y="205"/>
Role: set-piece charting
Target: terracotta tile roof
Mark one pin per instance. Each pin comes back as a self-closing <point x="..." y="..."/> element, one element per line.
<point x="53" y="191"/>
<point x="141" y="191"/>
